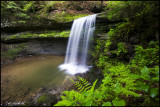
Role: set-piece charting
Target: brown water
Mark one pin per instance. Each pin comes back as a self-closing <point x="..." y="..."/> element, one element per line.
<point x="25" y="76"/>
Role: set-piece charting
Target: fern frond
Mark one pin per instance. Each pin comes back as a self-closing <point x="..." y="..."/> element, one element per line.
<point x="78" y="84"/>
<point x="72" y="80"/>
<point x="87" y="88"/>
<point x="64" y="103"/>
<point x="93" y="86"/>
<point x="82" y="84"/>
<point x="80" y="87"/>
<point x="128" y="92"/>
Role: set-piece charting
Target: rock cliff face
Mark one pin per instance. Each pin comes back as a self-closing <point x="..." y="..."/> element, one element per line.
<point x="56" y="46"/>
<point x="45" y="24"/>
<point x="42" y="25"/>
<point x="48" y="45"/>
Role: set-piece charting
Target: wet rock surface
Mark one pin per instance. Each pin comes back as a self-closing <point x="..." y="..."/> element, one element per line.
<point x="53" y="46"/>
<point x="52" y="96"/>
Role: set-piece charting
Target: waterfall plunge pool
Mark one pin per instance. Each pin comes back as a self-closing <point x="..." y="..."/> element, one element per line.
<point x="25" y="76"/>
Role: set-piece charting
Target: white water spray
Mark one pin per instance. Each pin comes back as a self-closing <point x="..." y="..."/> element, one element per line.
<point x="77" y="48"/>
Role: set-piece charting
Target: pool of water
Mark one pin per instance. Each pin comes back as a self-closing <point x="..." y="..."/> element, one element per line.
<point x="25" y="76"/>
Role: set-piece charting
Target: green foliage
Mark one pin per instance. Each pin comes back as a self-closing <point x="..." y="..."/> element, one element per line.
<point x="111" y="32"/>
<point x="122" y="80"/>
<point x="103" y="56"/>
<point x="82" y="84"/>
<point x="107" y="94"/>
<point x="148" y="56"/>
<point x="12" y="52"/>
<point x="154" y="92"/>
<point x="29" y="5"/>
<point x="117" y="102"/>
<point x="47" y="6"/>
<point x="107" y="104"/>
<point x="132" y="8"/>
<point x="121" y="48"/>
<point x="147" y="78"/>
<point x="114" y="8"/>
<point x="70" y="99"/>
<point x="22" y="15"/>
<point x="121" y="32"/>
<point x="74" y="98"/>
<point x="147" y="82"/>
<point x="10" y="5"/>
<point x="136" y="16"/>
<point x="50" y="4"/>
<point x="118" y="80"/>
<point x="139" y="76"/>
<point x="14" y="8"/>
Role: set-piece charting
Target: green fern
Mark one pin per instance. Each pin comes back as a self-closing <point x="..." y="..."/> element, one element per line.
<point x="75" y="98"/>
<point x="82" y="84"/>
<point x="70" y="98"/>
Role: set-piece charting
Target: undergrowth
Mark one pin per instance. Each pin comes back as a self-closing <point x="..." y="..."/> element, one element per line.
<point x="134" y="82"/>
<point x="12" y="51"/>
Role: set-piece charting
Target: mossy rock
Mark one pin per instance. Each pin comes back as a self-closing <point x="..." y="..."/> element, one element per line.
<point x="44" y="34"/>
<point x="46" y="99"/>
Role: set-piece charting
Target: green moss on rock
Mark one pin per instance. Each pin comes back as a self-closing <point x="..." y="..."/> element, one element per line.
<point x="54" y="34"/>
<point x="13" y="51"/>
<point x="46" y="99"/>
<point x="66" y="17"/>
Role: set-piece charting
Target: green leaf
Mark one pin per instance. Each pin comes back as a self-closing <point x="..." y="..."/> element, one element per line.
<point x="72" y="80"/>
<point x="156" y="78"/>
<point x="97" y="95"/>
<point x="145" y="87"/>
<point x="118" y="102"/>
<point x="135" y="76"/>
<point x="145" y="77"/>
<point x="157" y="69"/>
<point x="85" y="93"/>
<point x="117" y="88"/>
<point x="145" y="70"/>
<point x="88" y="102"/>
<point x="107" y="104"/>
<point x="154" y="92"/>
<point x="64" y="103"/>
<point x="157" y="99"/>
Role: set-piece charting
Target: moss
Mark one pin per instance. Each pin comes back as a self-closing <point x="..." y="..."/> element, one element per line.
<point x="22" y="22"/>
<point x="55" y="34"/>
<point x="45" y="99"/>
<point x="66" y="17"/>
<point x="121" y="48"/>
<point x="12" y="52"/>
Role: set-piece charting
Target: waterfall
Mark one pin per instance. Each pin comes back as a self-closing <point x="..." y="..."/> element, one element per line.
<point x="77" y="48"/>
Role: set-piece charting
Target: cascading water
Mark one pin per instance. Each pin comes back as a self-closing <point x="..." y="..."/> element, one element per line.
<point x="77" y="48"/>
